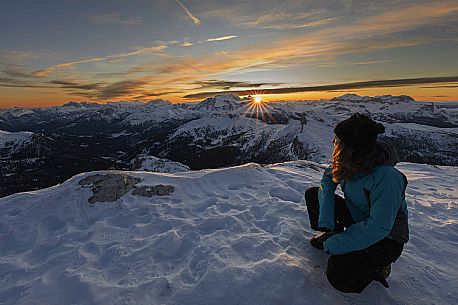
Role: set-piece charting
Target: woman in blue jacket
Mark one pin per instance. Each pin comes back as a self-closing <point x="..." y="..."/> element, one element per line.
<point x="366" y="231"/>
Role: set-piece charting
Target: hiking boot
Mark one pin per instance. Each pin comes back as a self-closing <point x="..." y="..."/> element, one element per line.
<point x="382" y="274"/>
<point x="317" y="240"/>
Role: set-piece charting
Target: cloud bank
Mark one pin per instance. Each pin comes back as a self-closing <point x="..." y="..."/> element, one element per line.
<point x="343" y="86"/>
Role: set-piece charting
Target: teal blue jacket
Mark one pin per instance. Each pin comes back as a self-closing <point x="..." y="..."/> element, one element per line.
<point x="376" y="202"/>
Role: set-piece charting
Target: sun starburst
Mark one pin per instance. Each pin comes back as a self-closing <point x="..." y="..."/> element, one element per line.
<point x="257" y="99"/>
<point x="259" y="109"/>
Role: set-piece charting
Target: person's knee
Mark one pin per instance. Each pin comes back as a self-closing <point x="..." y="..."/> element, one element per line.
<point x="312" y="203"/>
<point x="333" y="274"/>
<point x="311" y="192"/>
<point x="336" y="277"/>
<point x="336" y="282"/>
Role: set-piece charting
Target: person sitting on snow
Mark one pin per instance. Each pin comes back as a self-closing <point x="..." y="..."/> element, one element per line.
<point x="366" y="231"/>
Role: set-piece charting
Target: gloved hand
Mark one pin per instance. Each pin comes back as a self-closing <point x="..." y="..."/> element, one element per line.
<point x="318" y="240"/>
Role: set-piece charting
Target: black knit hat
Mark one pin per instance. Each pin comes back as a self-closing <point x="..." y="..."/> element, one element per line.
<point x="358" y="132"/>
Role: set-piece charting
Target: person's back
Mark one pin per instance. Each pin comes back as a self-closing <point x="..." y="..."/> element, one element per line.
<point x="359" y="203"/>
<point x="366" y="231"/>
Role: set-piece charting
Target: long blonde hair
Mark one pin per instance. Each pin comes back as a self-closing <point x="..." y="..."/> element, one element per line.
<point x="346" y="161"/>
<point x="342" y="167"/>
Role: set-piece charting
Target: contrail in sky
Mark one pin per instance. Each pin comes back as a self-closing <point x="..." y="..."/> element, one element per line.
<point x="194" y="19"/>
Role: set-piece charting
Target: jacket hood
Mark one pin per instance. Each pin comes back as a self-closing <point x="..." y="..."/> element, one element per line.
<point x="382" y="154"/>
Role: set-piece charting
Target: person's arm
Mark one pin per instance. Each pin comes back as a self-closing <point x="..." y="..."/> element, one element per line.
<point x="386" y="197"/>
<point x="326" y="200"/>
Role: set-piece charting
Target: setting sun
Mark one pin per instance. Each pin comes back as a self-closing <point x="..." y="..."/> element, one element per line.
<point x="257" y="99"/>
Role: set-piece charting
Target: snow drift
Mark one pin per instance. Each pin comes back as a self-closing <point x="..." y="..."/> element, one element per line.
<point x="236" y="235"/>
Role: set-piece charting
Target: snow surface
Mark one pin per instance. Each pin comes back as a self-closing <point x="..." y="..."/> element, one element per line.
<point x="14" y="141"/>
<point x="153" y="164"/>
<point x="236" y="235"/>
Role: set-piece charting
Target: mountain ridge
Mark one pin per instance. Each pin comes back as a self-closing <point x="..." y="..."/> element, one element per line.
<point x="220" y="131"/>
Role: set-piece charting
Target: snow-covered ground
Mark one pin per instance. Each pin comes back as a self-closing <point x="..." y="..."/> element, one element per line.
<point x="236" y="235"/>
<point x="10" y="142"/>
<point x="13" y="139"/>
<point x="153" y="164"/>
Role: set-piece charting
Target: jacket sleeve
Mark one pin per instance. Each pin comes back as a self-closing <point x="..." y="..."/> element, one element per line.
<point x="326" y="200"/>
<point x="386" y="197"/>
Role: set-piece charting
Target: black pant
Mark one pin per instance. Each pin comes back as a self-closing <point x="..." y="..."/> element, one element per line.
<point x="352" y="272"/>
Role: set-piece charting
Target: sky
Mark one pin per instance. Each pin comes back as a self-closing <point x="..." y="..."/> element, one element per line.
<point x="55" y="51"/>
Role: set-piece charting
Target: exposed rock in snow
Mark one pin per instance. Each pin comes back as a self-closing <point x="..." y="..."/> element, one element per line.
<point x="109" y="187"/>
<point x="112" y="186"/>
<point x="149" y="191"/>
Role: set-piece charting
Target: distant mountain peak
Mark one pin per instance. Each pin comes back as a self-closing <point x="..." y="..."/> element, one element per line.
<point x="227" y="97"/>
<point x="158" y="102"/>
<point x="350" y="97"/>
<point x="79" y="104"/>
<point x="222" y="102"/>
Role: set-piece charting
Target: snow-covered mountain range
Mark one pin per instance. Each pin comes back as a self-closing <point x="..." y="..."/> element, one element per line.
<point x="220" y="131"/>
<point x="235" y="235"/>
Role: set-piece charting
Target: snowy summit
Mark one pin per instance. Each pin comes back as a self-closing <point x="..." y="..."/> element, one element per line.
<point x="235" y="235"/>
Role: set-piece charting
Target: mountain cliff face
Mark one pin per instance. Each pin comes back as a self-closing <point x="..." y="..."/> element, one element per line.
<point x="220" y="131"/>
<point x="29" y="161"/>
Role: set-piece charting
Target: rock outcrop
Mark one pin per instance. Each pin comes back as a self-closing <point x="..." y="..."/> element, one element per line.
<point x="109" y="187"/>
